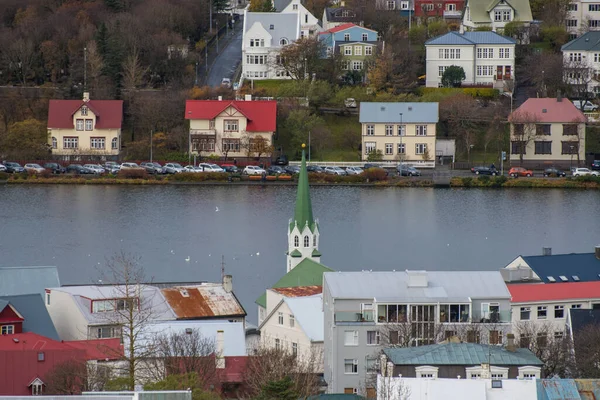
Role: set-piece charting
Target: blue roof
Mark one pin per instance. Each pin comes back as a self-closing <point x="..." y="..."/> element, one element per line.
<point x="27" y="280"/>
<point x="470" y="38"/>
<point x="586" y="42"/>
<point x="557" y="389"/>
<point x="460" y="354"/>
<point x="390" y="112"/>
<point x="33" y="310"/>
<point x="584" y="265"/>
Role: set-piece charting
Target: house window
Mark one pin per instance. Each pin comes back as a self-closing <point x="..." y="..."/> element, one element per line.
<point x="422" y="319"/>
<point x="349" y="390"/>
<point x="47" y="299"/>
<point x="543" y="147"/>
<point x="41" y="356"/>
<point x="70" y="142"/>
<point x="347" y="50"/>
<point x="292" y="321"/>
<point x="36" y="389"/>
<point x="373" y="338"/>
<point x="315" y="241"/>
<point x="371" y="365"/>
<point x="306" y="241"/>
<point x="54" y="143"/>
<point x="357" y="65"/>
<point x="231" y="145"/>
<point x="231" y="125"/>
<point x="79" y="124"/>
<point x="441" y="70"/>
<point x="576" y="306"/>
<point x="559" y="335"/>
<point x="401" y="130"/>
<point x="542" y="129"/>
<point x="570" y="147"/>
<point x="497" y="15"/>
<point x="473" y="336"/>
<point x="454" y="312"/>
<point x="525" y="312"/>
<point x="370" y="147"/>
<point x="350" y="366"/>
<point x="542" y="340"/>
<point x="89" y="125"/>
<point x="104" y="332"/>
<point x="391" y="5"/>
<point x="84" y="111"/>
<point x="296" y="241"/>
<point x="484" y="52"/>
<point x="504" y="53"/>
<point x="421" y="130"/>
<point x="295" y="7"/>
<point x="576" y="57"/>
<point x="529" y="372"/>
<point x="97" y="143"/>
<point x="420" y="148"/>
<point x="404" y="5"/>
<point x="559" y="311"/>
<point x="358" y="50"/>
<point x="401" y="148"/>
<point x="506" y="15"/>
<point x="277" y="344"/>
<point x="570" y="129"/>
<point x="370" y="130"/>
<point x="495" y="337"/>
<point x="368" y="50"/>
<point x="295" y="350"/>
<point x="280" y="318"/>
<point x="283" y="42"/>
<point x="594" y="7"/>
<point x="351" y="338"/>
<point x="542" y="312"/>
<point x="389" y="149"/>
<point x="571" y="23"/>
<point x="572" y="7"/>
<point x="7" y="329"/>
<point x="346" y="37"/>
<point x="517" y="146"/>
<point x="389" y="130"/>
<point x="450" y="7"/>
<point x="426" y="371"/>
<point x="365" y="37"/>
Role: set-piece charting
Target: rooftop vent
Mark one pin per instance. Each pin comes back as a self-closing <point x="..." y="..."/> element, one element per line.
<point x="547" y="251"/>
<point x="587" y="39"/>
<point x="271" y="27"/>
<point x="544" y="111"/>
<point x="417" y="278"/>
<point x="15" y="340"/>
<point x="575" y="278"/>
<point x="184" y="293"/>
<point x="563" y="278"/>
<point x="551" y="279"/>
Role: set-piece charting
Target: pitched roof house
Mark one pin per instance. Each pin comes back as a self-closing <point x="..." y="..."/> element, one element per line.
<point x="495" y="13"/>
<point x="29" y="314"/>
<point x="27" y="280"/>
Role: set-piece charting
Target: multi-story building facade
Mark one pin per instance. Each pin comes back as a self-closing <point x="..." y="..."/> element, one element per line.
<point x="495" y="15"/>
<point x="364" y="311"/>
<point x="400" y="131"/>
<point x="309" y="24"/>
<point x="450" y="10"/>
<point x="581" y="64"/>
<point x="547" y="131"/>
<point x="583" y="16"/>
<point x="89" y="128"/>
<point x="355" y="45"/>
<point x="231" y="128"/>
<point x="487" y="58"/>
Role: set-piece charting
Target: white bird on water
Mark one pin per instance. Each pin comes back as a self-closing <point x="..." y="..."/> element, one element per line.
<point x="187" y="259"/>
<point x="258" y="254"/>
<point x="216" y="209"/>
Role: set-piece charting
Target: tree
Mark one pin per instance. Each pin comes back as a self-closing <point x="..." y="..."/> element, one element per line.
<point x="578" y="77"/>
<point x="586" y="346"/>
<point x="394" y="70"/>
<point x="375" y="155"/>
<point x="189" y="381"/>
<point x="220" y="5"/>
<point x="25" y="140"/>
<point x="453" y="76"/>
<point x="257" y="146"/>
<point x="523" y="132"/>
<point x="302" y="58"/>
<point x="133" y="72"/>
<point x="297" y="125"/>
<point x="67" y="378"/>
<point x="319" y="92"/>
<point x="261" y="6"/>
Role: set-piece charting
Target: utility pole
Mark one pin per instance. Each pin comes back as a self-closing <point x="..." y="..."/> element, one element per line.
<point x="85" y="69"/>
<point x="222" y="267"/>
<point x="308" y="146"/>
<point x="151" y="134"/>
<point x="217" y="24"/>
<point x="196" y="80"/>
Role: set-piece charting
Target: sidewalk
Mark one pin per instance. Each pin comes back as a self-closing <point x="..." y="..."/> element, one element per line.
<point x="224" y="40"/>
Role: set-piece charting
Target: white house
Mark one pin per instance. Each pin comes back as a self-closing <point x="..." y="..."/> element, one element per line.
<point x="495" y="14"/>
<point x="487" y="58"/>
<point x="582" y="62"/>
<point x="309" y="24"/>
<point x="583" y="16"/>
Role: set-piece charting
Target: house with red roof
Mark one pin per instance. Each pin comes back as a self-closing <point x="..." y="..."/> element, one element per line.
<point x="231" y="128"/>
<point x="547" y="131"/>
<point x="88" y="128"/>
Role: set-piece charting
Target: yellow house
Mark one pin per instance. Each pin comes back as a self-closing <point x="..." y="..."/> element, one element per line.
<point x="547" y="131"/>
<point x="85" y="127"/>
<point x="403" y="132"/>
<point x="231" y="128"/>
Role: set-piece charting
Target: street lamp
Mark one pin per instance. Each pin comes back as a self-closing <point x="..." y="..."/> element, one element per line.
<point x="196" y="80"/>
<point x="401" y="134"/>
<point x="571" y="167"/>
<point x="217" y="25"/>
<point x="469" y="153"/>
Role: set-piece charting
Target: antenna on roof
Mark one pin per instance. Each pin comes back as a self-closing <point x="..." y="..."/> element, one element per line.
<point x="85" y="69"/>
<point x="222" y="268"/>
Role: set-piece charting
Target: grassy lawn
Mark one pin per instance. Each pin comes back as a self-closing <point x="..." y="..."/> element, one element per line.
<point x="270" y="86"/>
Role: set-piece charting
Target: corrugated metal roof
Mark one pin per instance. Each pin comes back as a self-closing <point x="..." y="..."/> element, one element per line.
<point x="589" y="389"/>
<point x="35" y="313"/>
<point x="308" y="313"/>
<point x="470" y="38"/>
<point x="589" y="41"/>
<point x="202" y="301"/>
<point x="557" y="389"/>
<point x="460" y="354"/>
<point x="299" y="291"/>
<point x="393" y="286"/>
<point x="377" y="112"/>
<point x="536" y="292"/>
<point x="547" y="110"/>
<point x="27" y="280"/>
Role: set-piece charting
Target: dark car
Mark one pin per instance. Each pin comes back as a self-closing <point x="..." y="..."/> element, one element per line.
<point x="281" y="160"/>
<point x="405" y="170"/>
<point x="230" y="168"/>
<point x="78" y="169"/>
<point x="554" y="172"/>
<point x="314" y="168"/>
<point x="486" y="171"/>
<point x="596" y="165"/>
<point x="275" y="170"/>
<point x="292" y="169"/>
<point x="13" y="167"/>
<point x="152" y="167"/>
<point x="55" y="168"/>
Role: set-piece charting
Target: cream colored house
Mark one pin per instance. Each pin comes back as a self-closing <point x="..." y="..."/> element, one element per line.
<point x="85" y="128"/>
<point x="403" y="132"/>
<point x="231" y="128"/>
<point x="547" y="131"/>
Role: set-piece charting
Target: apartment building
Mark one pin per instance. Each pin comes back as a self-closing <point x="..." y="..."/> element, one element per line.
<point x="581" y="63"/>
<point x="583" y="16"/>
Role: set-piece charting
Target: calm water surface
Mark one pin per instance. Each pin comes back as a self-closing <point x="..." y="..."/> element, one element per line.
<point x="77" y="227"/>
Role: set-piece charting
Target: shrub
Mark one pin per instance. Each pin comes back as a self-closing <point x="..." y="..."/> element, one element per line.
<point x="4" y="176"/>
<point x="375" y="174"/>
<point x="467" y="181"/>
<point x="199" y="177"/>
<point x="132" y="174"/>
<point x="46" y="173"/>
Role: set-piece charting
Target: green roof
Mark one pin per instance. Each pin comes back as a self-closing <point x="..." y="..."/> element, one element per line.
<point x="306" y="273"/>
<point x="316" y="253"/>
<point x="460" y="354"/>
<point x="303" y="213"/>
<point x="479" y="10"/>
<point x="296" y="253"/>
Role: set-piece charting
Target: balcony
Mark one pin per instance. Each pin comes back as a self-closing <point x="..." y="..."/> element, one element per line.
<point x="354" y="316"/>
<point x="452" y="14"/>
<point x="491" y="317"/>
<point x="203" y="132"/>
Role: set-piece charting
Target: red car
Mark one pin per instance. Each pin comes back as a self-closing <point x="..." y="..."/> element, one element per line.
<point x="519" y="171"/>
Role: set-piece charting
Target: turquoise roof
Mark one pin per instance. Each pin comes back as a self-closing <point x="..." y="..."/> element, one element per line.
<point x="303" y="214"/>
<point x="470" y="39"/>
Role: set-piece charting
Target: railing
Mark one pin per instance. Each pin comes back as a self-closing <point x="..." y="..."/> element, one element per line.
<point x="384" y="164"/>
<point x="211" y="132"/>
<point x="490" y="317"/>
<point x="453" y="13"/>
<point x="592" y="116"/>
<point x="354" y="316"/>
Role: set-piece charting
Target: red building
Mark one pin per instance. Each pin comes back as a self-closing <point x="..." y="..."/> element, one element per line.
<point x="10" y="320"/>
<point x="447" y="9"/>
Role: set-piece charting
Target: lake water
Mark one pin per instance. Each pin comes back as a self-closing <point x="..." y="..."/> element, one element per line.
<point x="77" y="227"/>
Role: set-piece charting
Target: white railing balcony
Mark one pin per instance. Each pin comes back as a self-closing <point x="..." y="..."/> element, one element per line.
<point x="592" y="116"/>
<point x="203" y="132"/>
<point x="452" y="14"/>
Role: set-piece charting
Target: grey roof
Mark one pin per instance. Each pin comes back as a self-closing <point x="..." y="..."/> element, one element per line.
<point x="331" y="15"/>
<point x="590" y="41"/>
<point x="308" y="313"/>
<point x="467" y="354"/>
<point x="460" y="286"/>
<point x="280" y="5"/>
<point x="585" y="266"/>
<point x="284" y="25"/>
<point x="27" y="280"/>
<point x="470" y="39"/>
<point x="390" y="112"/>
<point x="33" y="310"/>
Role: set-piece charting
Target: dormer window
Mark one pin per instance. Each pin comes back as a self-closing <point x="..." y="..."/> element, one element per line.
<point x="283" y="42"/>
<point x="84" y="111"/>
<point x="294" y="6"/>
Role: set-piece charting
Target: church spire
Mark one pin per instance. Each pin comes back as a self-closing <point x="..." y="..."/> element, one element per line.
<point x="303" y="213"/>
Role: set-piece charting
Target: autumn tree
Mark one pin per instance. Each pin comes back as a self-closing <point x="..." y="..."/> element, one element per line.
<point x="395" y="71"/>
<point x="301" y="59"/>
<point x="261" y="6"/>
<point x="25" y="140"/>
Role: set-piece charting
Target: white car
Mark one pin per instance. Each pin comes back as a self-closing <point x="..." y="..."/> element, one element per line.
<point x="354" y="170"/>
<point x="584" y="172"/>
<point x="130" y="165"/>
<point x="2" y="168"/>
<point x="172" y="168"/>
<point x="34" y="168"/>
<point x="253" y="170"/>
<point x="334" y="171"/>
<point x="191" y="168"/>
<point x="96" y="168"/>
<point x="210" y="167"/>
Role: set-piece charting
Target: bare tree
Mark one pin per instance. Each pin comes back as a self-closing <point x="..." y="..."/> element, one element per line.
<point x="587" y="352"/>
<point x="133" y="72"/>
<point x="95" y="64"/>
<point x="578" y="75"/>
<point x="523" y="131"/>
<point x="392" y="388"/>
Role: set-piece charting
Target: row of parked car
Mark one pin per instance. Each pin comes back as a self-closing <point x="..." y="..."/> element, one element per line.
<point x="520" y="171"/>
<point x="403" y="170"/>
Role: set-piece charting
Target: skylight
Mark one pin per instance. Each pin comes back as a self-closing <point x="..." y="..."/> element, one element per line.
<point x="563" y="278"/>
<point x="551" y="279"/>
<point x="575" y="278"/>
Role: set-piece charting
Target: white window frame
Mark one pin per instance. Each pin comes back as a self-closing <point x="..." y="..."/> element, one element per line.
<point x="370" y="146"/>
<point x="420" y="148"/>
<point x="358" y="50"/>
<point x="79" y="124"/>
<point x="354" y="363"/>
<point x="70" y="142"/>
<point x="346" y="37"/>
<point x="7" y="330"/>
<point x="377" y="338"/>
<point x="368" y="50"/>
<point x="350" y="338"/>
<point x="295" y="349"/>
<point x="280" y="318"/>
<point x="365" y="37"/>
<point x="292" y="321"/>
<point x="427" y="371"/>
<point x="421" y="130"/>
<point x="98" y="143"/>
<point x="525" y="309"/>
<point x="559" y="308"/>
<point x="231" y="125"/>
<point x="347" y="50"/>
<point x="529" y="372"/>
<point x="370" y="130"/>
<point x="544" y="309"/>
<point x="389" y="149"/>
<point x="389" y="130"/>
<point x="37" y="389"/>
<point x="89" y="124"/>
<point x="54" y="143"/>
<point x="401" y="148"/>
<point x="357" y="65"/>
<point x="84" y="111"/>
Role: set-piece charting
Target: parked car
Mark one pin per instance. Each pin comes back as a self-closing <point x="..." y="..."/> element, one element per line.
<point x="585" y="105"/>
<point x="354" y="170"/>
<point x="78" y="169"/>
<point x="13" y="167"/>
<point x="281" y="160"/>
<point x="216" y="168"/>
<point x="596" y="165"/>
<point x="210" y="167"/>
<point x="407" y="170"/>
<point x="112" y="168"/>
<point x="96" y="168"/>
<point x="334" y="171"/>
<point x="292" y="169"/>
<point x="55" y="168"/>
<point x="486" y="171"/>
<point x="253" y="170"/>
<point x="275" y="170"/>
<point x="172" y="168"/>
<point x="584" y="172"/>
<point x="152" y="167"/>
<point x="110" y="164"/>
<point x="130" y="165"/>
<point x="191" y="168"/>
<point x="34" y="168"/>
<point x="519" y="171"/>
<point x="314" y="169"/>
<point x="554" y="172"/>
<point x="233" y="169"/>
<point x="2" y="168"/>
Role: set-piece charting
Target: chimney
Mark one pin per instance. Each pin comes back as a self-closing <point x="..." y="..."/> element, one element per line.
<point x="228" y="283"/>
<point x="417" y="278"/>
<point x="558" y="96"/>
<point x="220" y="98"/>
<point x="248" y="97"/>
<point x="546" y="251"/>
<point x="597" y="251"/>
<point x="510" y="342"/>
<point x="86" y="96"/>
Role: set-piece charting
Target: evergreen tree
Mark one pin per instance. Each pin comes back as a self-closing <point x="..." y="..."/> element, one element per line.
<point x="102" y="39"/>
<point x="114" y="5"/>
<point x="220" y="5"/>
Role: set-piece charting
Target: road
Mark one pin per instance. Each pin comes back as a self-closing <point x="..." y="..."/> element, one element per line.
<point x="227" y="61"/>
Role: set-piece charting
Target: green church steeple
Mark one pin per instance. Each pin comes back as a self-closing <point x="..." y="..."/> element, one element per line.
<point x="303" y="213"/>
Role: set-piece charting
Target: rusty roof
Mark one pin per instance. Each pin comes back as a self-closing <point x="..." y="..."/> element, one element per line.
<point x="299" y="291"/>
<point x="202" y="301"/>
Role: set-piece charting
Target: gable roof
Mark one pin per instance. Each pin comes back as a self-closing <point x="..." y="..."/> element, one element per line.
<point x="208" y="300"/>
<point x="547" y="110"/>
<point x="583" y="265"/>
<point x="285" y="25"/>
<point x="109" y="113"/>
<point x="308" y="313"/>
<point x="377" y="112"/>
<point x="332" y="14"/>
<point x="306" y="273"/>
<point x="589" y="41"/>
<point x="460" y="354"/>
<point x="393" y="286"/>
<point x="99" y="349"/>
<point x="479" y="10"/>
<point x="34" y="312"/>
<point x="261" y="114"/>
<point x="343" y="27"/>
<point x="535" y="292"/>
<point x="27" y="280"/>
<point x="470" y="39"/>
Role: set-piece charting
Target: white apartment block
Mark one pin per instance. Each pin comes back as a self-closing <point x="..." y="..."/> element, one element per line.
<point x="583" y="16"/>
<point x="582" y="62"/>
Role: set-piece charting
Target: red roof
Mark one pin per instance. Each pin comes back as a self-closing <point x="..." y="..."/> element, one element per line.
<point x="556" y="111"/>
<point x="338" y="28"/>
<point x="535" y="292"/>
<point x="261" y="114"/>
<point x="109" y="113"/>
<point x="99" y="349"/>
